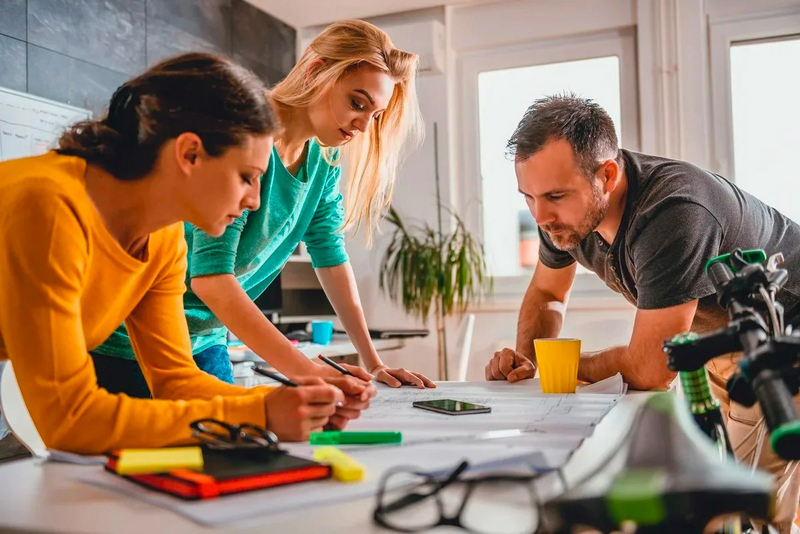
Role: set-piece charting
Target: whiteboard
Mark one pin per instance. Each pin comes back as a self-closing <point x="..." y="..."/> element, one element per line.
<point x="30" y="125"/>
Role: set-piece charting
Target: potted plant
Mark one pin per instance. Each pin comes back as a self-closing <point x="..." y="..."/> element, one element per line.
<point x="424" y="269"/>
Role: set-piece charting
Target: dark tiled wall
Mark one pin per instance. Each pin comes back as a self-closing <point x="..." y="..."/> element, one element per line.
<point x="80" y="51"/>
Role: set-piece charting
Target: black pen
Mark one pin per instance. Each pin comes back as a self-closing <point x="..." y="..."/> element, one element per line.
<point x="336" y="366"/>
<point x="275" y="376"/>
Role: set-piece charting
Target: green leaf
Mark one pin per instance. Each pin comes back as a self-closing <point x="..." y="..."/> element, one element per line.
<point x="422" y="269"/>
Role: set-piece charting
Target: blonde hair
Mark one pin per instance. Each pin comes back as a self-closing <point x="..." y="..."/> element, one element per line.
<point x="375" y="155"/>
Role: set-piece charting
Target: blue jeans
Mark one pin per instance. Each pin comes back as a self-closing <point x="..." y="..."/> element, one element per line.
<point x="216" y="362"/>
<point x="120" y="375"/>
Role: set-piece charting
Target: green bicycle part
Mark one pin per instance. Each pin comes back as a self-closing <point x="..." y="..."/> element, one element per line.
<point x="785" y="439"/>
<point x="750" y="256"/>
<point x="637" y="496"/>
<point x="697" y="389"/>
<point x="685" y="338"/>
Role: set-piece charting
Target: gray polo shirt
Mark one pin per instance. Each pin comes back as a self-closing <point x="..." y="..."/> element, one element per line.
<point x="678" y="216"/>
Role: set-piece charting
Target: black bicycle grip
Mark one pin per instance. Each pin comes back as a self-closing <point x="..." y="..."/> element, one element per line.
<point x="780" y="413"/>
<point x="719" y="273"/>
<point x="690" y="351"/>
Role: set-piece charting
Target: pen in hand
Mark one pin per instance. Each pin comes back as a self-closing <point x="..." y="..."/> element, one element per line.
<point x="275" y="376"/>
<point x="283" y="380"/>
<point x="364" y="394"/>
<point x="336" y="366"/>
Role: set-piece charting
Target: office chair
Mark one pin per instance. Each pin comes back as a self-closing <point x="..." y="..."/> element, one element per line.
<point x="16" y="413"/>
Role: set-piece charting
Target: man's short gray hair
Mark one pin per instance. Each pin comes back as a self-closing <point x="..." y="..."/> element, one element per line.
<point x="580" y="121"/>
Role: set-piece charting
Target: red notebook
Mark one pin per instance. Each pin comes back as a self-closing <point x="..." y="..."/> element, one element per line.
<point x="227" y="472"/>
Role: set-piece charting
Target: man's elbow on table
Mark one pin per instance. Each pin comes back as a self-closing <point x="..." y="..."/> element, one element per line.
<point x="650" y="377"/>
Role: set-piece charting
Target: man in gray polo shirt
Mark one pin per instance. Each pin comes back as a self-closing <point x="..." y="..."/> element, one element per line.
<point x="646" y="226"/>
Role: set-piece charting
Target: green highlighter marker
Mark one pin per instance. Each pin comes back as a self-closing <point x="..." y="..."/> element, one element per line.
<point x="355" y="438"/>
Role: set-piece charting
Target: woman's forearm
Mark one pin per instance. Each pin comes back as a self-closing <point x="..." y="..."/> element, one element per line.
<point x="233" y="307"/>
<point x="340" y="287"/>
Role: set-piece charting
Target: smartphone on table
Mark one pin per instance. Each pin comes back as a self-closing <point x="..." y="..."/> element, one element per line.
<point x="451" y="407"/>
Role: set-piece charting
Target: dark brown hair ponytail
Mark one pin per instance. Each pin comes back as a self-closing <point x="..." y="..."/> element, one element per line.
<point x="209" y="95"/>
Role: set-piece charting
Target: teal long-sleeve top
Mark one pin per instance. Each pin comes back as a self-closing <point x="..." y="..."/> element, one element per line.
<point x="307" y="207"/>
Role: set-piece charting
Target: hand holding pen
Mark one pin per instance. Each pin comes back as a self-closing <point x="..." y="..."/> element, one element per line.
<point x="303" y="406"/>
<point x="357" y="393"/>
<point x="345" y="370"/>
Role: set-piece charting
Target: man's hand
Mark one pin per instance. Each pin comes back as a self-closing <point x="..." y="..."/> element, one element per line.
<point x="510" y="365"/>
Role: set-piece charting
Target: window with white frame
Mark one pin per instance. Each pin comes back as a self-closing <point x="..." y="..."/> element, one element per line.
<point x="764" y="85"/>
<point x="497" y="87"/>
<point x="509" y="230"/>
<point x="755" y="80"/>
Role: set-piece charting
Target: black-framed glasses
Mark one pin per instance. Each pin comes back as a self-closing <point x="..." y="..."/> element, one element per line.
<point x="423" y="501"/>
<point x="225" y="436"/>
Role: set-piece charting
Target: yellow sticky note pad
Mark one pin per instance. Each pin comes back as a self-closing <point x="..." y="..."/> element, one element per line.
<point x="144" y="461"/>
<point x="345" y="469"/>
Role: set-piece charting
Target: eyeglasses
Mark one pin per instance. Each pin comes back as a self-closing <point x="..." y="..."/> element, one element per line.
<point x="224" y="436"/>
<point x="424" y="500"/>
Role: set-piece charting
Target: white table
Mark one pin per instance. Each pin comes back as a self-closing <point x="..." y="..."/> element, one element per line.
<point x="47" y="498"/>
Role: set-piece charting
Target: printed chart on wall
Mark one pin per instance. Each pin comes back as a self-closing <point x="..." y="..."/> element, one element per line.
<point x="30" y="125"/>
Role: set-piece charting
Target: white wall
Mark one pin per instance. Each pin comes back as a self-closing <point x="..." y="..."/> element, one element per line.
<point x="672" y="60"/>
<point x="503" y="23"/>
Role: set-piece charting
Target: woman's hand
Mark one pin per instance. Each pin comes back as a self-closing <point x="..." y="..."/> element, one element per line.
<point x="397" y="377"/>
<point x="357" y="395"/>
<point x="326" y="371"/>
<point x="294" y="413"/>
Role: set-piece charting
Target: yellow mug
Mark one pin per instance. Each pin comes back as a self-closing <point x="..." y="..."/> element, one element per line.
<point x="557" y="360"/>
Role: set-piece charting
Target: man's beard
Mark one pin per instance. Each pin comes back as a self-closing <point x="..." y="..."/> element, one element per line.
<point x="571" y="236"/>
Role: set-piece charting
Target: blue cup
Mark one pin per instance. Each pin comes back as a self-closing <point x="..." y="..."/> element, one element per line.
<point x="321" y="332"/>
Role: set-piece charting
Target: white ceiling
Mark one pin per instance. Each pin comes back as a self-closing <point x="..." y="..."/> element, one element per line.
<point x="303" y="13"/>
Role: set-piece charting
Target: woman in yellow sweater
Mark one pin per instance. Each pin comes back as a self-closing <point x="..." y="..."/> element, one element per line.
<point x="91" y="235"/>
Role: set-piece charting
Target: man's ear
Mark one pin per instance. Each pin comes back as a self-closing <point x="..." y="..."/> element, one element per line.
<point x="610" y="175"/>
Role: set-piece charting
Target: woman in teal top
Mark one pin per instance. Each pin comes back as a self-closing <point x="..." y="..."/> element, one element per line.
<point x="351" y="96"/>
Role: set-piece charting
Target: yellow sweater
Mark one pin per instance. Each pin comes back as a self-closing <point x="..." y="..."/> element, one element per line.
<point x="65" y="286"/>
